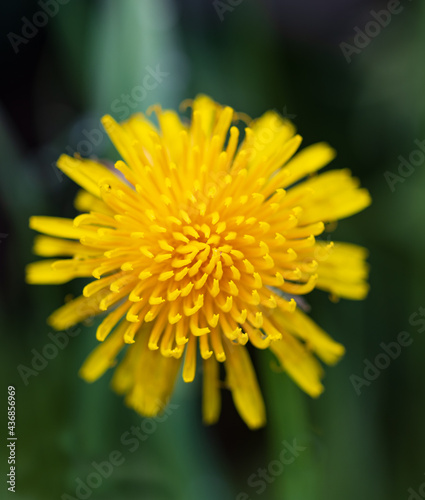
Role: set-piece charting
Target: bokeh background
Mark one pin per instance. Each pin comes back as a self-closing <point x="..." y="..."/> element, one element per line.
<point x="367" y="101"/>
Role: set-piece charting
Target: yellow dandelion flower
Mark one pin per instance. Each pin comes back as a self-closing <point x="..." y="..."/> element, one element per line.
<point x="200" y="241"/>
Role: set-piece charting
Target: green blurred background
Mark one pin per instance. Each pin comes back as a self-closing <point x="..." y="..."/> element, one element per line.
<point x="254" y="56"/>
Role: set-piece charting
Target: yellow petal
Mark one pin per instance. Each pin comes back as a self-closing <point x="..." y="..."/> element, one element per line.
<point x="103" y="356"/>
<point x="46" y="246"/>
<point x="42" y="273"/>
<point x="86" y="173"/>
<point x="299" y="363"/>
<point x="189" y="367"/>
<point x="342" y="270"/>
<point x="128" y="141"/>
<point x="86" y="202"/>
<point x="211" y="399"/>
<point x="307" y="161"/>
<point x="299" y="324"/>
<point x="270" y="134"/>
<point x="328" y="197"/>
<point x="171" y="128"/>
<point x="208" y="111"/>
<point x="62" y="228"/>
<point x="146" y="376"/>
<point x="243" y="383"/>
<point x="76" y="310"/>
